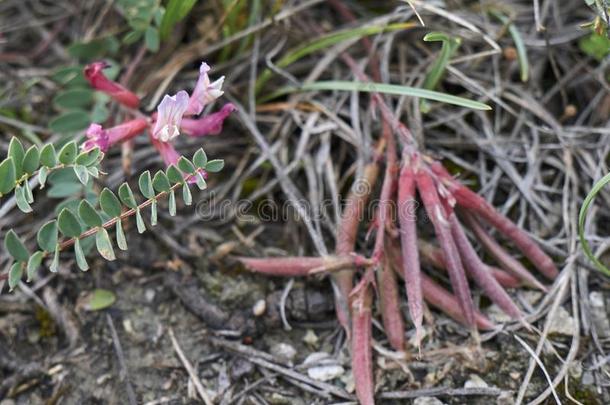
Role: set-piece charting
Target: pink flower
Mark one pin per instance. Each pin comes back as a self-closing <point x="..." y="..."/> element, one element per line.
<point x="169" y="116"/>
<point x="208" y="125"/>
<point x="204" y="92"/>
<point x="105" y="138"/>
<point x="169" y="155"/>
<point x="97" y="79"/>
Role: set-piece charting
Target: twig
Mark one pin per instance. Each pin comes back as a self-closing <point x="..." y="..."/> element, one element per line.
<point x="123" y="373"/>
<point x="437" y="392"/>
<point x="190" y="370"/>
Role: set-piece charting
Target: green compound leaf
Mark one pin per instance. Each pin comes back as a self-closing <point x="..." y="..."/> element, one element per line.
<point x="174" y="175"/>
<point x="14" y="275"/>
<point x="145" y="184"/>
<point x="74" y="98"/>
<point x="31" y="160"/>
<point x="140" y="221"/>
<point x="21" y="198"/>
<point x="7" y="176"/>
<point x="93" y="171"/>
<point x="214" y="166"/>
<point x="47" y="236"/>
<point x="99" y="299"/>
<point x="28" y="192"/>
<point x="88" y="214"/>
<point x="186" y="166"/>
<point x="70" y="121"/>
<point x="153" y="213"/>
<point x="89" y="157"/>
<point x="16" y="151"/>
<point x="151" y="39"/>
<point x="200" y="159"/>
<point x="172" y="203"/>
<point x="161" y="182"/>
<point x="110" y="203"/>
<point x="187" y="197"/>
<point x="81" y="261"/>
<point x="126" y="196"/>
<point x="48" y="156"/>
<point x="81" y="173"/>
<point x="55" y="263"/>
<point x="43" y="173"/>
<point x="15" y="247"/>
<point x="120" y="236"/>
<point x="67" y="154"/>
<point x="104" y="245"/>
<point x="34" y="264"/>
<point x="68" y="224"/>
<point x="200" y="181"/>
<point x="582" y="217"/>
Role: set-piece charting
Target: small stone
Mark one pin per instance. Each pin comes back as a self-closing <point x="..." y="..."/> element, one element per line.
<point x="149" y="295"/>
<point x="325" y="373"/>
<point x="318" y="358"/>
<point x="587" y="378"/>
<point x="532" y="296"/>
<point x="427" y="401"/>
<point x="515" y="375"/>
<point x="284" y="351"/>
<point x="505" y="398"/>
<point x="599" y="315"/>
<point x="563" y="323"/>
<point x="348" y="382"/>
<point x="497" y="315"/>
<point x="475" y="382"/>
<point x="259" y="308"/>
<point x="311" y="338"/>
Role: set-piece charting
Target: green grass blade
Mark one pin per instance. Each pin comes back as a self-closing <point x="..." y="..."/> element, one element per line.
<point x="326" y="41"/>
<point x="394" y="89"/>
<point x="524" y="66"/>
<point x="582" y="216"/>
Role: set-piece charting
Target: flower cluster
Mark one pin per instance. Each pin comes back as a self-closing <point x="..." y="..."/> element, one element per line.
<point x="167" y="122"/>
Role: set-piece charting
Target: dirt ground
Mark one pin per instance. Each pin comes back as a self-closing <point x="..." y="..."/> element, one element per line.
<point x="189" y="322"/>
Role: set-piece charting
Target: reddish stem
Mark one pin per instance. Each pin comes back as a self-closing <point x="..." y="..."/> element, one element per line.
<point x="410" y="255"/>
<point x="442" y="299"/>
<point x="433" y="256"/>
<point x="346" y="237"/>
<point x="505" y="260"/>
<point x="362" y="356"/>
<point x="473" y="202"/>
<point x="390" y="307"/>
<point x="479" y="272"/>
<point x="432" y="203"/>
<point x="298" y="266"/>
<point x="439" y="297"/>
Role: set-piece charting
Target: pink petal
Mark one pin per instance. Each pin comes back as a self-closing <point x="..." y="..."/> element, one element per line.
<point x="208" y="125"/>
<point x="169" y="116"/>
<point x="205" y="92"/>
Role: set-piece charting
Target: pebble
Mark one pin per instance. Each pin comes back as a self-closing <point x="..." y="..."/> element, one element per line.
<point x="284" y="351"/>
<point x="149" y="295"/>
<point x="324" y="367"/>
<point x="325" y="373"/>
<point x="427" y="401"/>
<point x="259" y="308"/>
<point x="311" y="338"/>
<point x="497" y="315"/>
<point x="563" y="323"/>
<point x="599" y="314"/>
<point x="475" y="382"/>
